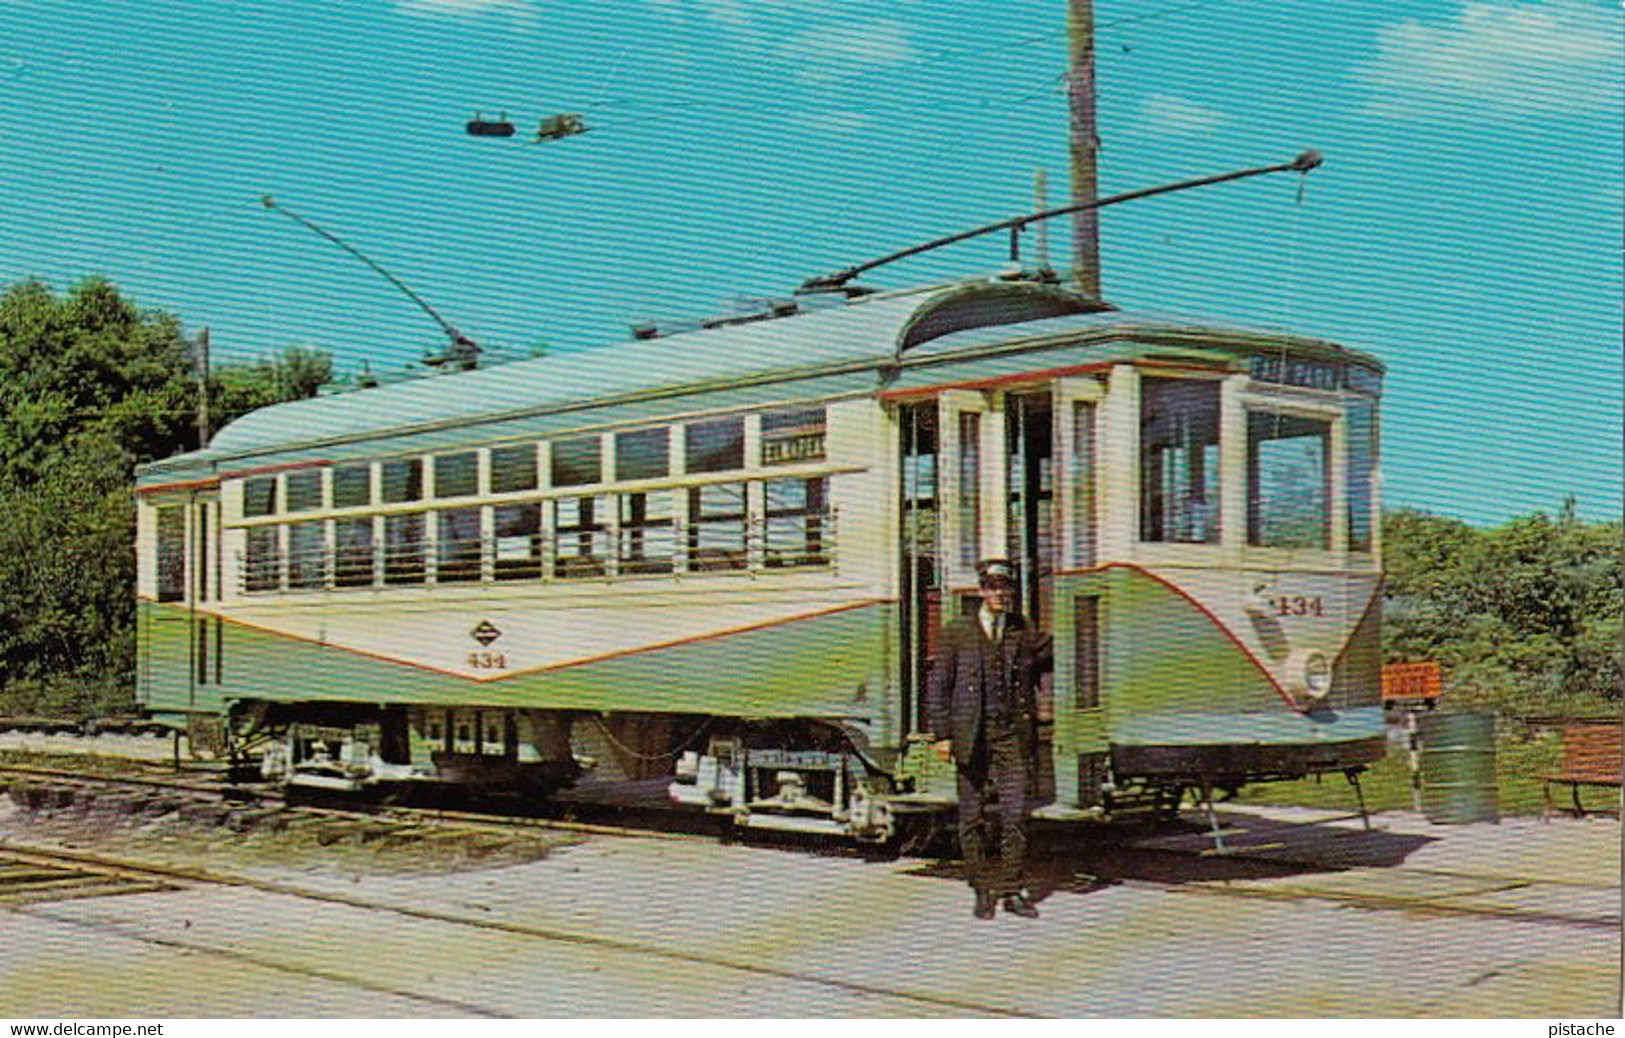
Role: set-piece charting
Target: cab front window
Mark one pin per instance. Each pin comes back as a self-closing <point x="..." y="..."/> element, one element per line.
<point x="1179" y="460"/>
<point x="1288" y="481"/>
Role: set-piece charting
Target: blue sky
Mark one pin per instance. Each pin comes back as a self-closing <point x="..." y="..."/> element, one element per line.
<point x="1466" y="226"/>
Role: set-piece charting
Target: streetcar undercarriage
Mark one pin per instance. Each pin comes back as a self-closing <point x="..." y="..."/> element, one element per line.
<point x="789" y="775"/>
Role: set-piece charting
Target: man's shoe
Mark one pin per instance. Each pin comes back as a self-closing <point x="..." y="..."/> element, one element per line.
<point x="986" y="905"/>
<point x="1018" y="904"/>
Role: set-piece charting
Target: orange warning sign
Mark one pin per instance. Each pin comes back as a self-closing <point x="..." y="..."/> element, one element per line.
<point x="1412" y="681"/>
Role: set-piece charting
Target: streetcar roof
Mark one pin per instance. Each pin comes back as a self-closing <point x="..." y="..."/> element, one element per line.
<point x="840" y="340"/>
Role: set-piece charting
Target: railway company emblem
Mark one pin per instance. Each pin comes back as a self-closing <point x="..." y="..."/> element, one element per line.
<point x="485" y="632"/>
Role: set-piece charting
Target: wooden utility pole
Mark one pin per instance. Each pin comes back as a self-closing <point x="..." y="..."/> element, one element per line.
<point x="1080" y="80"/>
<point x="202" y="363"/>
<point x="1041" y="203"/>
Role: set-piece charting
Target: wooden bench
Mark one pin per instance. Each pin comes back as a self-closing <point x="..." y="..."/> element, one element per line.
<point x="1591" y="757"/>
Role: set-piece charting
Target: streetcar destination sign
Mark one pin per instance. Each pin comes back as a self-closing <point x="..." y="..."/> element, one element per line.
<point x="1295" y="371"/>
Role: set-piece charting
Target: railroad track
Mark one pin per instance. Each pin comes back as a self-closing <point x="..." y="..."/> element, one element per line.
<point x="146" y="778"/>
<point x="1437" y="905"/>
<point x="1124" y="865"/>
<point x="28" y="876"/>
<point x="146" y="877"/>
<point x="48" y="878"/>
<point x="82" y="874"/>
<point x="225" y="794"/>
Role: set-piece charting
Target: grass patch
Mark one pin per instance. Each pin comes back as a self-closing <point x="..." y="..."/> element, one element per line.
<point x="1521" y="758"/>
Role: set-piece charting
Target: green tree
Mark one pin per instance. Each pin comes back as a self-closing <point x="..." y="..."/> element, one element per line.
<point x="1525" y="616"/>
<point x="91" y="386"/>
<point x="294" y="374"/>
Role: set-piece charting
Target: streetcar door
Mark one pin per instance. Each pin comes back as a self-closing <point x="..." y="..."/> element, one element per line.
<point x="977" y="482"/>
<point x="997" y="494"/>
<point x="1030" y="537"/>
<point x="1030" y="502"/>
<point x="920" y="578"/>
<point x="951" y="517"/>
<point x="945" y="526"/>
<point x="203" y="595"/>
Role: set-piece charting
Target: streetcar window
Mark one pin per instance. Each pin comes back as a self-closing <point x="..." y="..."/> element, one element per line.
<point x="580" y="536"/>
<point x="307" y="555"/>
<point x="259" y="496"/>
<point x="1179" y="460"/>
<point x="1288" y="481"/>
<point x="517" y="533"/>
<point x="1083" y="485"/>
<point x="171" y="554"/>
<point x="919" y="432"/>
<point x="715" y="446"/>
<point x="920" y="453"/>
<point x="970" y="488"/>
<point x="648" y="532"/>
<point x="457" y="475"/>
<point x="262" y="562"/>
<point x="792" y="436"/>
<point x="352" y="486"/>
<point x="403" y="548"/>
<point x="201" y="540"/>
<point x="353" y="555"/>
<point x="716" y="530"/>
<point x="644" y="454"/>
<point x="458" y="554"/>
<point x="403" y="480"/>
<point x="577" y="462"/>
<point x="513" y="468"/>
<point x="1362" y="466"/>
<point x="794" y="522"/>
<point x="304" y="490"/>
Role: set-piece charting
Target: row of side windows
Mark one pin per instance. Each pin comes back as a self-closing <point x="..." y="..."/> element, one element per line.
<point x="597" y="535"/>
<point x="712" y="446"/>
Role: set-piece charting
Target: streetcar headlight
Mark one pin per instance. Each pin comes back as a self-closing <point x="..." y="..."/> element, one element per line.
<point x="1317" y="676"/>
<point x="1309" y="673"/>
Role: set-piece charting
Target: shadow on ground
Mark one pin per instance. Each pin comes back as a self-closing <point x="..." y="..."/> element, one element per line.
<point x="1082" y="858"/>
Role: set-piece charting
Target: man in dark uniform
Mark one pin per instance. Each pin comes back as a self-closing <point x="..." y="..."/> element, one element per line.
<point x="983" y="702"/>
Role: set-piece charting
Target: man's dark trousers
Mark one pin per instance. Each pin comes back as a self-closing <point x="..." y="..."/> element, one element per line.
<point x="992" y="802"/>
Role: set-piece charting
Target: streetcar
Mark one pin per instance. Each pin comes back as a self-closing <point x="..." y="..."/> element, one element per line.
<point x="711" y="568"/>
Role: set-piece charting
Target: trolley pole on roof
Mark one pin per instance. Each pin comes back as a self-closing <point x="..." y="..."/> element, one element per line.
<point x="462" y="353"/>
<point x="1080" y="83"/>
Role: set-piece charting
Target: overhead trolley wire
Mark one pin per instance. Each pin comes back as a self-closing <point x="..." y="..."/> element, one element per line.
<point x="663" y="108"/>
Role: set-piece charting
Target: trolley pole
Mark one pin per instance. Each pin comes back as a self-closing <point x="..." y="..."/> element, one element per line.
<point x="1080" y="79"/>
<point x="201" y="362"/>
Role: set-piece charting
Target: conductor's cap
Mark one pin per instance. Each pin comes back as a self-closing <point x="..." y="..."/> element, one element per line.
<point x="995" y="571"/>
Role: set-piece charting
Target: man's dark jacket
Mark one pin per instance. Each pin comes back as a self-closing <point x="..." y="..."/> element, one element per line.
<point x="966" y="664"/>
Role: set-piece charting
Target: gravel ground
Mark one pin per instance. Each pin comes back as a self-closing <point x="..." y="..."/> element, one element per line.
<point x="127" y="747"/>
<point x="1412" y="920"/>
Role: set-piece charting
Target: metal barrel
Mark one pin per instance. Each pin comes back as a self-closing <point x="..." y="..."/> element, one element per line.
<point x="1458" y="768"/>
